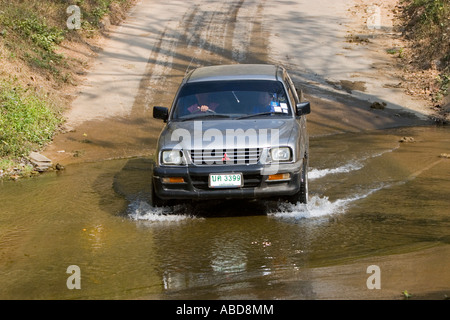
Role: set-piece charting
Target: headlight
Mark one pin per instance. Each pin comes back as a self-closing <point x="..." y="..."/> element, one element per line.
<point x="281" y="154"/>
<point x="172" y="157"/>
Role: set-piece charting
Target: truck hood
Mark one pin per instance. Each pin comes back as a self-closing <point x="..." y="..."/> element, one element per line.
<point x="212" y="134"/>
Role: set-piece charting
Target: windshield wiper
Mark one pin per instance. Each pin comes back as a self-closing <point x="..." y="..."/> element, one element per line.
<point x="258" y="114"/>
<point x="235" y="96"/>
<point x="207" y="115"/>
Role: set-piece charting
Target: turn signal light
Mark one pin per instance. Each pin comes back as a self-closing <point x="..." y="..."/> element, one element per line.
<point x="173" y="180"/>
<point x="279" y="176"/>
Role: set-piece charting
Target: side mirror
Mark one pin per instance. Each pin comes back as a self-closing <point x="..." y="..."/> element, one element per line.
<point x="303" y="108"/>
<point x="161" y="113"/>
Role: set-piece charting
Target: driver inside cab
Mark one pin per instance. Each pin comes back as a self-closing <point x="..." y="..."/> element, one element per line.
<point x="203" y="104"/>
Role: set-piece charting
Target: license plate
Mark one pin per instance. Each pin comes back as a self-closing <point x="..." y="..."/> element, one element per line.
<point x="226" y="180"/>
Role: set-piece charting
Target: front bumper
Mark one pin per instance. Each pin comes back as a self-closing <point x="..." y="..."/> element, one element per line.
<point x="256" y="185"/>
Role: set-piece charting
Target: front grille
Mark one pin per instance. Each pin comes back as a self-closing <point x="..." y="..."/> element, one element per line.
<point x="220" y="156"/>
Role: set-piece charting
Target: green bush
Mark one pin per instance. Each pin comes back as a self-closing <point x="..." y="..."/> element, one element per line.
<point x="26" y="121"/>
<point x="38" y="31"/>
<point x="432" y="12"/>
<point x="429" y="25"/>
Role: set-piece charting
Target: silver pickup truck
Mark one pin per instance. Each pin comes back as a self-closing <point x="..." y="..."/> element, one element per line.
<point x="233" y="132"/>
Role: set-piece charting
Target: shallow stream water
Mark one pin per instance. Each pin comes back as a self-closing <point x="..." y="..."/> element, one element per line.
<point x="373" y="200"/>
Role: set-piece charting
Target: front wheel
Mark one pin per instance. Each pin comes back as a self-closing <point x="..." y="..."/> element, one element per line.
<point x="302" y="194"/>
<point x="156" y="201"/>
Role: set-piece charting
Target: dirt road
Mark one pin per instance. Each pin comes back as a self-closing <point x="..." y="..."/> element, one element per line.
<point x="144" y="59"/>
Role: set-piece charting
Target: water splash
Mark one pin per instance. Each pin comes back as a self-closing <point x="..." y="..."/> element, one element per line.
<point x="354" y="165"/>
<point x="318" y="207"/>
<point x="319" y="173"/>
<point x="139" y="210"/>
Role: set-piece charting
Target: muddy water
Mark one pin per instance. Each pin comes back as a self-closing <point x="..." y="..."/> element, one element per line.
<point x="373" y="201"/>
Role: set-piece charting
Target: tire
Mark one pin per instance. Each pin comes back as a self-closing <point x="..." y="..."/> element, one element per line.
<point x="302" y="195"/>
<point x="156" y="201"/>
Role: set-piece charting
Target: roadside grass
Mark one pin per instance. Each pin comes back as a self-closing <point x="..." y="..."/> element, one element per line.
<point x="27" y="122"/>
<point x="32" y="30"/>
<point x="34" y="71"/>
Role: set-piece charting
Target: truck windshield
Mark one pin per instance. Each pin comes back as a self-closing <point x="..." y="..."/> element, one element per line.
<point x="233" y="98"/>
